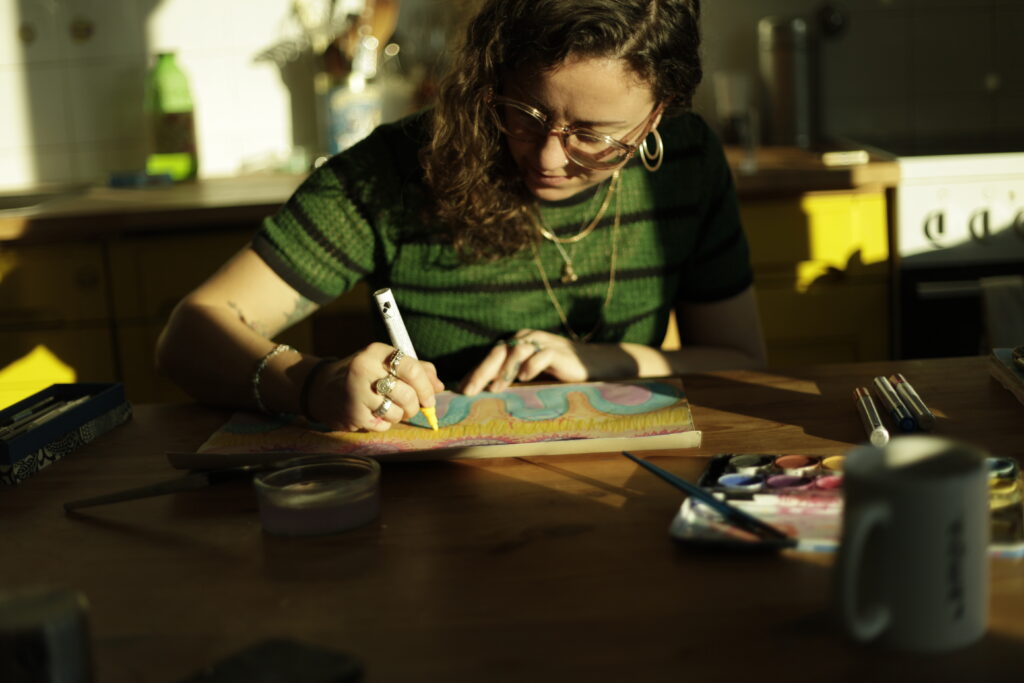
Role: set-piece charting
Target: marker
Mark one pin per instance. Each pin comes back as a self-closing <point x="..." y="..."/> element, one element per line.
<point x="11" y="423"/>
<point x="878" y="435"/>
<point x="925" y="418"/>
<point x="400" y="338"/>
<point x="26" y="412"/>
<point x="44" y="416"/>
<point x="892" y="401"/>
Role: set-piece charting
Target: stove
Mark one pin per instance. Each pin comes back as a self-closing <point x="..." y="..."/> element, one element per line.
<point x="957" y="221"/>
<point x="960" y="209"/>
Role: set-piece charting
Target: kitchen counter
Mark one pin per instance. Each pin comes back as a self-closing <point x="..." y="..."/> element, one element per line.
<point x="98" y="212"/>
<point x="783" y="171"/>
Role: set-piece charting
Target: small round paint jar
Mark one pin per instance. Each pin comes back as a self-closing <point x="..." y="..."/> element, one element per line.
<point x="797" y="465"/>
<point x="788" y="481"/>
<point x="311" y="497"/>
<point x="741" y="482"/>
<point x="750" y="464"/>
<point x="1001" y="468"/>
<point x="833" y="464"/>
<point x="829" y="482"/>
<point x="1007" y="514"/>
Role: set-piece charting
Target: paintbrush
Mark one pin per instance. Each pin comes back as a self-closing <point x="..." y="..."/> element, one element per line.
<point x="730" y="513"/>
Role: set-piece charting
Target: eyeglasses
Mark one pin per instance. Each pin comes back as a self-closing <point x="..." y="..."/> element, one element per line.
<point x="583" y="146"/>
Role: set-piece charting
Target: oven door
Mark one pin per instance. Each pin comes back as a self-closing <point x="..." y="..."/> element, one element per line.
<point x="940" y="311"/>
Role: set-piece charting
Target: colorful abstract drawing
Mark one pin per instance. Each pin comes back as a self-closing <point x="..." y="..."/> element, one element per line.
<point x="525" y="420"/>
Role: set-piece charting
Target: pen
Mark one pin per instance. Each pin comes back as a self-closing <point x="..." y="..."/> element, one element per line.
<point x="925" y="418"/>
<point x="892" y="401"/>
<point x="878" y="435"/>
<point x="400" y="338"/>
<point x="731" y="513"/>
<point x="28" y="421"/>
<point x="45" y="416"/>
<point x="26" y="412"/>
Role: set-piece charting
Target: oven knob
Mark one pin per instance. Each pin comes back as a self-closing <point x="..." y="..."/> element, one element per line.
<point x="979" y="226"/>
<point x="935" y="227"/>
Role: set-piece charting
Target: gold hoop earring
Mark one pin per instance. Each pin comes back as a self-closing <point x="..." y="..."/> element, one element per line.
<point x="652" y="161"/>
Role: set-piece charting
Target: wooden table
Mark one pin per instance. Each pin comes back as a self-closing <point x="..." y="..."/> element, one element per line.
<point x="539" y="569"/>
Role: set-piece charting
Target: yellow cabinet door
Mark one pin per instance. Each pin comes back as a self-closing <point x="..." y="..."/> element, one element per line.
<point x="52" y="284"/>
<point x="821" y="268"/>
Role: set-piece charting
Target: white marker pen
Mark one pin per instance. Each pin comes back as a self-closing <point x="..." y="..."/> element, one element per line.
<point x="388" y="308"/>
<point x="877" y="433"/>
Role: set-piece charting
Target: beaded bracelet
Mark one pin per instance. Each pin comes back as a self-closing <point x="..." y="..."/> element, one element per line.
<point x="256" y="376"/>
<point x="307" y="386"/>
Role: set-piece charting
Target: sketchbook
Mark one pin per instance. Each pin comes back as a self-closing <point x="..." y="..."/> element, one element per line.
<point x="547" y="419"/>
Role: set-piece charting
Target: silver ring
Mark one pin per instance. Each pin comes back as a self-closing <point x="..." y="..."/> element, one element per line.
<point x="385" y="384"/>
<point x="516" y="341"/>
<point x="383" y="408"/>
<point x="396" y="358"/>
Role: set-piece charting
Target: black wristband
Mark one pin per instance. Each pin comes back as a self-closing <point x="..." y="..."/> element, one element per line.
<point x="307" y="385"/>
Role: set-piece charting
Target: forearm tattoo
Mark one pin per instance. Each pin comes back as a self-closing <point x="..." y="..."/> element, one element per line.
<point x="254" y="325"/>
<point x="303" y="307"/>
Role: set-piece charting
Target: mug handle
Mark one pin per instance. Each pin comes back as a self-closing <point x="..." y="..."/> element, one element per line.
<point x="864" y="623"/>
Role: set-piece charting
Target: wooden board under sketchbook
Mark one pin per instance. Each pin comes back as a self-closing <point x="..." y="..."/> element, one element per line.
<point x="548" y="419"/>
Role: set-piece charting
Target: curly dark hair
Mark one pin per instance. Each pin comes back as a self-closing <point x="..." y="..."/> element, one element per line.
<point x="478" y="192"/>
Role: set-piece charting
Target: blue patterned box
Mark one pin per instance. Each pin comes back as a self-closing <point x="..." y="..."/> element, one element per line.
<point x="24" y="454"/>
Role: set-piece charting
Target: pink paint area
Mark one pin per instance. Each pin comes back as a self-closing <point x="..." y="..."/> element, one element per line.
<point x="829" y="483"/>
<point x="625" y="394"/>
<point x="530" y="397"/>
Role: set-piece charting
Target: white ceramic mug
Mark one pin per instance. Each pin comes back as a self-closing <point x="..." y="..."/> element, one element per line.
<point x="912" y="569"/>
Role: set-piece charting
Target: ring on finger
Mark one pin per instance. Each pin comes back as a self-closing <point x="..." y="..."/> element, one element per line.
<point x="384" y="385"/>
<point x="537" y="346"/>
<point x="396" y="358"/>
<point x="383" y="408"/>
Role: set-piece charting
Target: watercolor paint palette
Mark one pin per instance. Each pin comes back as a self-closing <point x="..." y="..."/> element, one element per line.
<point x="802" y="495"/>
<point x="744" y="475"/>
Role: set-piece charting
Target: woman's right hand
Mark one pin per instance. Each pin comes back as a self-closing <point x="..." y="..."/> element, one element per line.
<point x="345" y="395"/>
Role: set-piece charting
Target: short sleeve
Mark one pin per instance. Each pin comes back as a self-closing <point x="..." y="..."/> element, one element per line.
<point x="719" y="265"/>
<point x="338" y="227"/>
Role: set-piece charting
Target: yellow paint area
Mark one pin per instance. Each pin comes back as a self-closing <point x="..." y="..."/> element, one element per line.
<point x="33" y="372"/>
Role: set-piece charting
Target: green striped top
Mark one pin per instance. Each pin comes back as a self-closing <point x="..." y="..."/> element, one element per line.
<point x="358" y="217"/>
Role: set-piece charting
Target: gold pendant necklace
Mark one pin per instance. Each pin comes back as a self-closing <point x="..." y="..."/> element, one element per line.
<point x="611" y="279"/>
<point x="568" y="272"/>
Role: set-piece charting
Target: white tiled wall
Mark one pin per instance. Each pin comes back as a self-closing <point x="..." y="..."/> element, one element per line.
<point x="72" y="108"/>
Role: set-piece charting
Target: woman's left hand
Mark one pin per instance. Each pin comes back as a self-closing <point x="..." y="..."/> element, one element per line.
<point x="526" y="355"/>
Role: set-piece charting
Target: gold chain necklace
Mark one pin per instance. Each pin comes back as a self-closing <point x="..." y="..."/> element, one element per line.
<point x="535" y="219"/>
<point x="568" y="272"/>
<point x="611" y="280"/>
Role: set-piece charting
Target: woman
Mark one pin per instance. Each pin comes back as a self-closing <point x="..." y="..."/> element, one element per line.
<point x="542" y="220"/>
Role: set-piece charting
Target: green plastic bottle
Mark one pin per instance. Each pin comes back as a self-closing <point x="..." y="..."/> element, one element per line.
<point x="170" y="121"/>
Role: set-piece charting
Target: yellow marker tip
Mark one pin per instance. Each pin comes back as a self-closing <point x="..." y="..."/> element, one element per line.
<point x="431" y="415"/>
